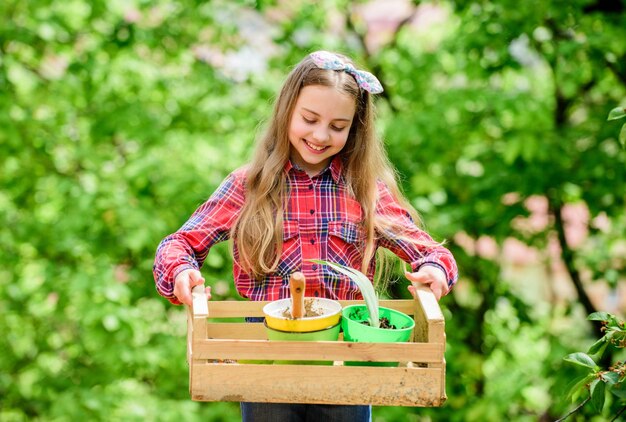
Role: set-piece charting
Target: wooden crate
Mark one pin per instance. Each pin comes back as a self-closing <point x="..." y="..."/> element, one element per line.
<point x="213" y="349"/>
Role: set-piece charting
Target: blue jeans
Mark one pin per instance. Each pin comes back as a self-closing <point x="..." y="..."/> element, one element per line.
<point x="287" y="412"/>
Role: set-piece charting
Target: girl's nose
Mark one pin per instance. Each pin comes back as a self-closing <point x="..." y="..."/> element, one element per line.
<point x="321" y="135"/>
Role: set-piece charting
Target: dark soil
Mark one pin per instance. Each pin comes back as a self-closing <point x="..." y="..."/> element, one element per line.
<point x="384" y="323"/>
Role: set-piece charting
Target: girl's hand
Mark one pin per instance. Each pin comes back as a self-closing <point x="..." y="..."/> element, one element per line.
<point x="184" y="282"/>
<point x="431" y="276"/>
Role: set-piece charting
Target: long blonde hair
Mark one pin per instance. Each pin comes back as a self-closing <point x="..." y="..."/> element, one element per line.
<point x="258" y="232"/>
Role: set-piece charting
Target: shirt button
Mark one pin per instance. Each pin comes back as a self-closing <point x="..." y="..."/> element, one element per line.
<point x="310" y="186"/>
<point x="314" y="267"/>
<point x="312" y="212"/>
<point x="312" y="241"/>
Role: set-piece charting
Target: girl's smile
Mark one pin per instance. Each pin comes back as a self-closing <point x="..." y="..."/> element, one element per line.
<point x="315" y="148"/>
<point x="319" y="126"/>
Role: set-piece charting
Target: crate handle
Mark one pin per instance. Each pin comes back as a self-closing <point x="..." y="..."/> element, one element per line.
<point x="200" y="301"/>
<point x="428" y="303"/>
<point x="429" y="320"/>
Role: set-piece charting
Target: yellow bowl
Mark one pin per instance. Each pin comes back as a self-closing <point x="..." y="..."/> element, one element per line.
<point x="278" y="315"/>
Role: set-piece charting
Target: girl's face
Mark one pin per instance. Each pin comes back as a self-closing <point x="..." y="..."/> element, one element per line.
<point x="319" y="126"/>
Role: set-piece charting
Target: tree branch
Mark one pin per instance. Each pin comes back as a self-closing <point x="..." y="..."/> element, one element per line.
<point x="618" y="414"/>
<point x="567" y="254"/>
<point x="574" y="410"/>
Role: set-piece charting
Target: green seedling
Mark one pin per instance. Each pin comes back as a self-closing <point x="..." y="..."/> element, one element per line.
<point x="365" y="285"/>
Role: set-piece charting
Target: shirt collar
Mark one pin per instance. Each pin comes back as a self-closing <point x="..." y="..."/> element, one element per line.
<point x="335" y="168"/>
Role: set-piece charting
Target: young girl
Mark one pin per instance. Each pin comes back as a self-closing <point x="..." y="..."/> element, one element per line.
<point x="319" y="187"/>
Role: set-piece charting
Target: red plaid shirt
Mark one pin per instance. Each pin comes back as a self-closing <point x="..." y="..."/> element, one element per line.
<point x="321" y="221"/>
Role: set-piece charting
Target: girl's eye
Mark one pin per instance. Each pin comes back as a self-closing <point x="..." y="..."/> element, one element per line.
<point x="314" y="121"/>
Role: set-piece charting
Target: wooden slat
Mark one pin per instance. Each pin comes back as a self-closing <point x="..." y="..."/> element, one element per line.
<point x="200" y="311"/>
<point x="236" y="308"/>
<point x="442" y="369"/>
<point x="430" y="327"/>
<point x="236" y="330"/>
<point x="200" y="298"/>
<point x="320" y="350"/>
<point x="189" y="334"/>
<point x="317" y="384"/>
<point x="429" y="321"/>
<point x="428" y="304"/>
<point x="190" y="359"/>
<point x="199" y="328"/>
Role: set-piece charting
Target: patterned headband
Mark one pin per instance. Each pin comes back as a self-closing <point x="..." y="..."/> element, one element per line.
<point x="330" y="61"/>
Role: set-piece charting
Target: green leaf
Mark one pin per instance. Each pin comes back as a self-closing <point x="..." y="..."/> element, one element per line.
<point x="617" y="113"/>
<point x="598" y="347"/>
<point x="579" y="385"/>
<point x="365" y="285"/>
<point x="581" y="359"/>
<point x="622" y="136"/>
<point x="599" y="316"/>
<point x="598" y="394"/>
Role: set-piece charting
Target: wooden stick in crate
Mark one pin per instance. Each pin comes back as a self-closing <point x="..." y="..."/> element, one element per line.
<point x="297" y="285"/>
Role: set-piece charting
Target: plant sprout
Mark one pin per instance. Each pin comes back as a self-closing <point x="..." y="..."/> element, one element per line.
<point x="365" y="285"/>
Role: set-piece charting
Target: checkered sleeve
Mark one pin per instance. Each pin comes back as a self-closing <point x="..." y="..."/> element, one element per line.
<point x="209" y="224"/>
<point x="414" y="245"/>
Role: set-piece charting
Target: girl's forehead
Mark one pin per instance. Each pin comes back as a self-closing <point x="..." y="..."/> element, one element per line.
<point x="327" y="101"/>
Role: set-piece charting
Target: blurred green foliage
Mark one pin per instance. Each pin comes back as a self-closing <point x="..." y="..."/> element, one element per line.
<point x="594" y="384"/>
<point x="118" y="118"/>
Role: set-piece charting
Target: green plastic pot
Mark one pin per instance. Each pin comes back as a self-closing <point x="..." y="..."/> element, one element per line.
<point x="327" y="334"/>
<point x="354" y="329"/>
